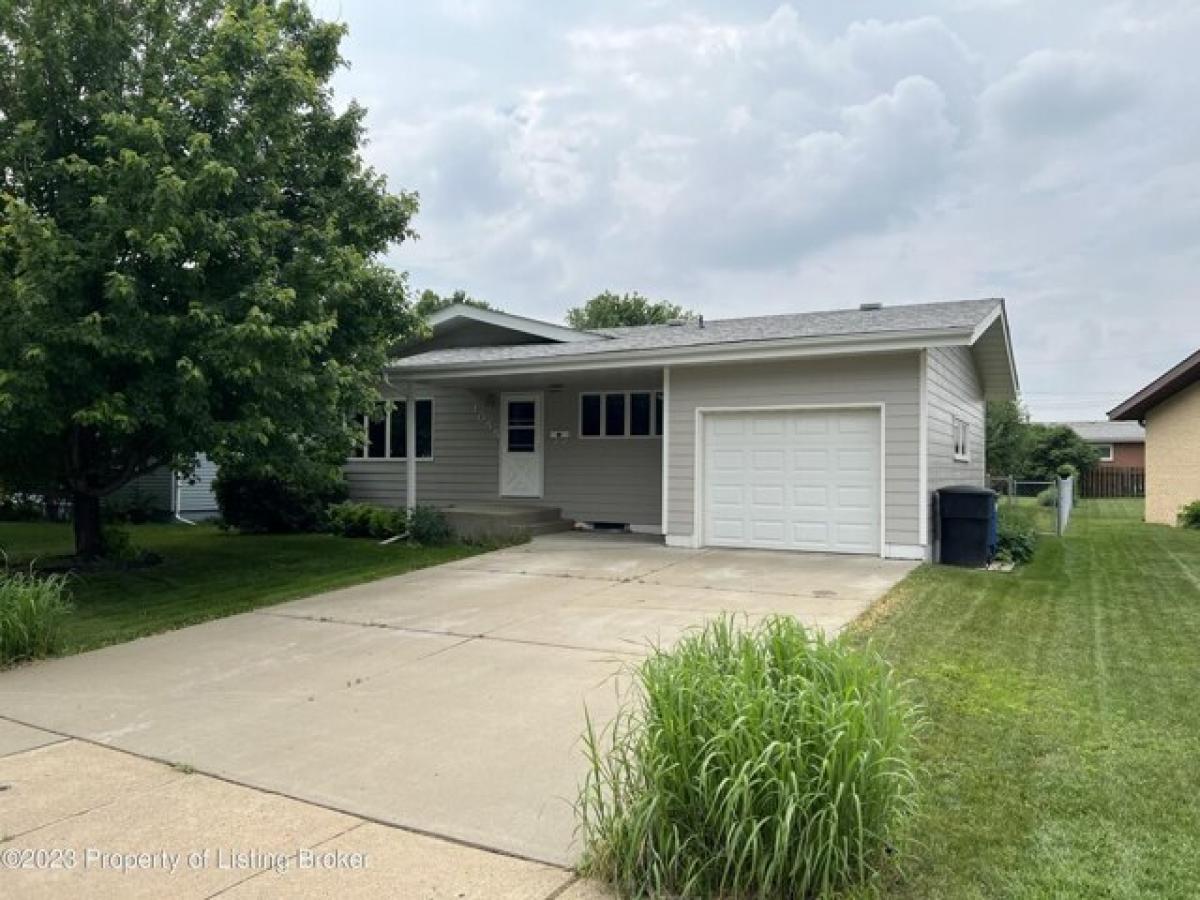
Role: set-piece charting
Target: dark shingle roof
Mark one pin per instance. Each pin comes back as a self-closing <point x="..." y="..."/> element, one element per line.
<point x="1108" y="432"/>
<point x="961" y="315"/>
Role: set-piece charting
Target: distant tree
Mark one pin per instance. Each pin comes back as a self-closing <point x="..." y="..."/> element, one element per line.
<point x="1053" y="446"/>
<point x="1007" y="427"/>
<point x="609" y="310"/>
<point x="189" y="244"/>
<point x="430" y="302"/>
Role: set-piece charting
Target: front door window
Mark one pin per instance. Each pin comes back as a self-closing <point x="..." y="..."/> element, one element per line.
<point x="522" y="426"/>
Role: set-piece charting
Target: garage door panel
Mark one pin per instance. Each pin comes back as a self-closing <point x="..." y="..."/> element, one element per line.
<point x="856" y="423"/>
<point x="811" y="461"/>
<point x="728" y="495"/>
<point x="810" y="425"/>
<point x="810" y="495"/>
<point x="729" y="529"/>
<point x="855" y="497"/>
<point x="771" y="496"/>
<point x="728" y="425"/>
<point x="767" y="460"/>
<point x="768" y="425"/>
<point x="769" y="532"/>
<point x="729" y="460"/>
<point x="803" y="480"/>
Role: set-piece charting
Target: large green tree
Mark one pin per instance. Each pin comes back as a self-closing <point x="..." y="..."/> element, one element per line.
<point x="431" y="301"/>
<point x="1008" y="433"/>
<point x="609" y="310"/>
<point x="189" y="243"/>
<point x="1053" y="446"/>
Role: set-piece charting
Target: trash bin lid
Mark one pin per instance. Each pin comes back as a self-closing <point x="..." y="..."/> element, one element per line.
<point x="966" y="489"/>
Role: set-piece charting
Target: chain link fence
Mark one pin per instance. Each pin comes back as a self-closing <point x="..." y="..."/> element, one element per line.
<point x="1053" y="501"/>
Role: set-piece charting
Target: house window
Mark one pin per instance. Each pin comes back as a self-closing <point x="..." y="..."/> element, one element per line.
<point x="385" y="432"/>
<point x="620" y="414"/>
<point x="962" y="438"/>
<point x="1105" y="451"/>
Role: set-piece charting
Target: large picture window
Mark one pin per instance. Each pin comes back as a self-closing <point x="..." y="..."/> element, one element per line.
<point x="385" y="432"/>
<point x="617" y="414"/>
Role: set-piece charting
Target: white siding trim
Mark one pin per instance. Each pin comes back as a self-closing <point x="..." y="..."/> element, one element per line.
<point x="923" y="449"/>
<point x="766" y="350"/>
<point x="905" y="551"/>
<point x="495" y="317"/>
<point x="666" y="447"/>
<point x="410" y="446"/>
<point x="698" y="461"/>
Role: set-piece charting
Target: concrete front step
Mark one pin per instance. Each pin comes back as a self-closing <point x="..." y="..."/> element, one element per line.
<point x="537" y="528"/>
<point x="503" y="521"/>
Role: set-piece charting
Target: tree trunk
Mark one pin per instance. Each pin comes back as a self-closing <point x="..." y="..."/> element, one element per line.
<point x="87" y="525"/>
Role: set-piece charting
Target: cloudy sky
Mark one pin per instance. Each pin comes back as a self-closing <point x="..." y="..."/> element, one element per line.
<point x="758" y="157"/>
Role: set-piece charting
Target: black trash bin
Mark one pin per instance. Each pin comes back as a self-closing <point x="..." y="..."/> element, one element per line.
<point x="966" y="523"/>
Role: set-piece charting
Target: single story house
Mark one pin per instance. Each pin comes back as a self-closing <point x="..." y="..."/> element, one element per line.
<point x="1169" y="408"/>
<point x="170" y="493"/>
<point x="821" y="431"/>
<point x="1120" y="444"/>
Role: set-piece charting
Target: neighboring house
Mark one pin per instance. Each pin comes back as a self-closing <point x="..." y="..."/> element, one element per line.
<point x="189" y="497"/>
<point x="1120" y="444"/>
<point x="1169" y="407"/>
<point x="822" y="431"/>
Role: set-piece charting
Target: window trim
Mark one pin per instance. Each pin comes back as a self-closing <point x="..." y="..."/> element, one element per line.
<point x="963" y="455"/>
<point x="1112" y="451"/>
<point x="655" y="432"/>
<point x="393" y="405"/>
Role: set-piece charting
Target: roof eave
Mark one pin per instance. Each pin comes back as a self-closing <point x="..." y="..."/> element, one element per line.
<point x="830" y="345"/>
<point x="535" y="327"/>
<point x="1166" y="385"/>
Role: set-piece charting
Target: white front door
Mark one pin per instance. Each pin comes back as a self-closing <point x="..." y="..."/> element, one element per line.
<point x="793" y="480"/>
<point x="521" y="446"/>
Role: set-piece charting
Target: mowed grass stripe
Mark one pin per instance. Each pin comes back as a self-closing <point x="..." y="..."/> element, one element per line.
<point x="1061" y="759"/>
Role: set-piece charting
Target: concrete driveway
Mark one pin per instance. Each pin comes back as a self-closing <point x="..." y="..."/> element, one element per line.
<point x="448" y="701"/>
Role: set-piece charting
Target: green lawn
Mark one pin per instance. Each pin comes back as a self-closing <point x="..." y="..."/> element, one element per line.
<point x="206" y="574"/>
<point x="1063" y="755"/>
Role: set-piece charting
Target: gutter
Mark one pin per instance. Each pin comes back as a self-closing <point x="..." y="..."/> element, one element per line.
<point x="701" y="353"/>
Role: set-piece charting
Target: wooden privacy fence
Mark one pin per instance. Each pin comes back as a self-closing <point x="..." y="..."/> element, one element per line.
<point x="1113" y="481"/>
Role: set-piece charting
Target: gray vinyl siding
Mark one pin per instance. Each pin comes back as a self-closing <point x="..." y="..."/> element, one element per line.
<point x="953" y="390"/>
<point x="891" y="379"/>
<point x="158" y="487"/>
<point x="196" y="493"/>
<point x="154" y="488"/>
<point x="592" y="480"/>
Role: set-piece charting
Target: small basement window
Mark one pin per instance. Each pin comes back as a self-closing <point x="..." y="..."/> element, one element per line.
<point x="385" y="432"/>
<point x="615" y="414"/>
<point x="962" y="440"/>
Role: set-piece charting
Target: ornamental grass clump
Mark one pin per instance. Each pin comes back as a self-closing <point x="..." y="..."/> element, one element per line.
<point x="33" y="610"/>
<point x="749" y="762"/>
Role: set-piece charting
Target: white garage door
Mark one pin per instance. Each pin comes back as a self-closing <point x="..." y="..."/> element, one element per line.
<point x="793" y="480"/>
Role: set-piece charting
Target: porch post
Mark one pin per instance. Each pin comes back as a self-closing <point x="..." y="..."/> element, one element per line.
<point x="666" y="448"/>
<point x="410" y="447"/>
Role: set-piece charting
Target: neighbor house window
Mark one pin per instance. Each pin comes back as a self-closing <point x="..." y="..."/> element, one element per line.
<point x="962" y="438"/>
<point x="620" y="414"/>
<point x="1105" y="451"/>
<point x="385" y="432"/>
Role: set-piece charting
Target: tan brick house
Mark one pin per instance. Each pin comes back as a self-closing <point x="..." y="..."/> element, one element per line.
<point x="1169" y="407"/>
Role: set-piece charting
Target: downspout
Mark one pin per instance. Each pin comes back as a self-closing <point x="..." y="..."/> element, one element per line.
<point x="176" y="497"/>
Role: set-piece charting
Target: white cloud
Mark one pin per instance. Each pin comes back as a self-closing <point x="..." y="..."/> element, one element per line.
<point x="756" y="158"/>
<point x="1060" y="92"/>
